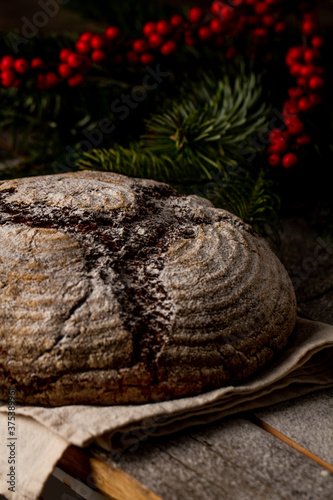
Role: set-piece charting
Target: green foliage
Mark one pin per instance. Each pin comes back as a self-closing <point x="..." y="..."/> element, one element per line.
<point x="207" y="127"/>
<point x="251" y="196"/>
<point x="195" y="144"/>
<point x="202" y="131"/>
<point x="133" y="161"/>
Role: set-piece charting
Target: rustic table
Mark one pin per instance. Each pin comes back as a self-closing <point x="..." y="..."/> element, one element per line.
<point x="283" y="452"/>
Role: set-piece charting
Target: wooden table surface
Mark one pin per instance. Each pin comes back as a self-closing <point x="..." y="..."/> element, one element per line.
<point x="283" y="452"/>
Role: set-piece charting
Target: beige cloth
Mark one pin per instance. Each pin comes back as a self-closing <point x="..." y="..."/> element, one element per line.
<point x="43" y="434"/>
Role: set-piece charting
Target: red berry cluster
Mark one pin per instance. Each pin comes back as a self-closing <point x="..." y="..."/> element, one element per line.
<point x="258" y="19"/>
<point x="303" y="64"/>
<point x="158" y="38"/>
<point x="12" y="70"/>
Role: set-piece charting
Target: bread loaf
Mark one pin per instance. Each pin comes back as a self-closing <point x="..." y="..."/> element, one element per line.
<point x="118" y="290"/>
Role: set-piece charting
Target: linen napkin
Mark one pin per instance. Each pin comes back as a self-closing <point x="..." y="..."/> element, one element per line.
<point x="43" y="434"/>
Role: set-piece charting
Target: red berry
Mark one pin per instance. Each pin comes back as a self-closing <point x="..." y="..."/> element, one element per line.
<point x="227" y="13"/>
<point x="191" y="41"/>
<point x="64" y="70"/>
<point x="295" y="69"/>
<point x="215" y="8"/>
<point x="305" y="104"/>
<point x="216" y="26"/>
<point x="289" y="160"/>
<point x="309" y="28"/>
<point x="205" y="33"/>
<point x="302" y="82"/>
<point x="295" y="92"/>
<point x="278" y="145"/>
<point x="98" y="42"/>
<point x="177" y="20"/>
<point x="168" y="48"/>
<point x="37" y="63"/>
<point x="311" y="55"/>
<point x="274" y="160"/>
<point x="317" y="42"/>
<point x="86" y="36"/>
<point x="316" y="83"/>
<point x="163" y="27"/>
<point x="113" y="33"/>
<point x="74" y="60"/>
<point x="75" y="81"/>
<point x="140" y="46"/>
<point x="295" y="53"/>
<point x="83" y="47"/>
<point x="308" y="71"/>
<point x="21" y="65"/>
<point x="315" y="99"/>
<point x="290" y="107"/>
<point x="155" y="41"/>
<point x="280" y="27"/>
<point x="64" y="54"/>
<point x="260" y="33"/>
<point x="260" y="8"/>
<point x="98" y="56"/>
<point x="149" y="29"/>
<point x="7" y="62"/>
<point x="294" y="125"/>
<point x="8" y="78"/>
<point x="196" y="14"/>
<point x="51" y="80"/>
<point x="268" y="20"/>
<point x="303" y="140"/>
<point x="275" y="132"/>
<point x="132" y="58"/>
<point x="286" y="135"/>
<point x="146" y="59"/>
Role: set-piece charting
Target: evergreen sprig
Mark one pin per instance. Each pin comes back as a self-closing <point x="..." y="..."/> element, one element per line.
<point x="133" y="161"/>
<point x="200" y="134"/>
<point x="251" y="196"/>
<point x="195" y="143"/>
<point x="210" y="123"/>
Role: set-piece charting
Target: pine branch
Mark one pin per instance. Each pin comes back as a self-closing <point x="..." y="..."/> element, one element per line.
<point x="134" y="162"/>
<point x="206" y="128"/>
<point x="200" y="135"/>
<point x="196" y="141"/>
<point x="251" y="196"/>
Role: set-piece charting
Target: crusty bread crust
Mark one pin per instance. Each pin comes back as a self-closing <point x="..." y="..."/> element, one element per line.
<point x="116" y="290"/>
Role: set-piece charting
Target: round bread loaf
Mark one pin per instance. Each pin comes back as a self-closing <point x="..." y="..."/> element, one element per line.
<point x="117" y="290"/>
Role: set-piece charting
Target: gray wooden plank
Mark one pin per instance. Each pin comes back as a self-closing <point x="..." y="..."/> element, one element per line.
<point x="55" y="490"/>
<point x="233" y="460"/>
<point x="308" y="420"/>
<point x="166" y="476"/>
